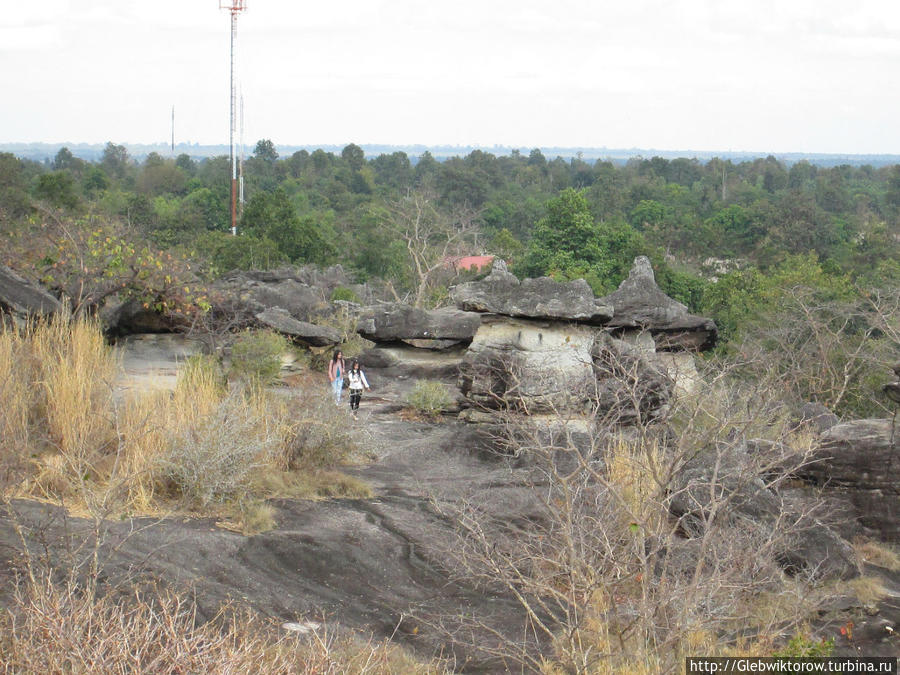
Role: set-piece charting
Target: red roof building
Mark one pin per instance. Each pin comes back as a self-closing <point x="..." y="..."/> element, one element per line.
<point x="469" y="262"/>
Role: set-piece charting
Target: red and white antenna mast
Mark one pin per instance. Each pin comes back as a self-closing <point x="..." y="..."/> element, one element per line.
<point x="235" y="7"/>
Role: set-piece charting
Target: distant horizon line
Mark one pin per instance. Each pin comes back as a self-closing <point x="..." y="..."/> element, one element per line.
<point x="444" y="149"/>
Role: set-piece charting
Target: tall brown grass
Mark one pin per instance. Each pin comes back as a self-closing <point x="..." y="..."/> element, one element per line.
<point x="68" y="435"/>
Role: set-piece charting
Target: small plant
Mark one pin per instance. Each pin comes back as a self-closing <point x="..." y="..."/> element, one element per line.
<point x="429" y="398"/>
<point x="801" y="646"/>
<point x="344" y="293"/>
<point x="256" y="516"/>
<point x="256" y="356"/>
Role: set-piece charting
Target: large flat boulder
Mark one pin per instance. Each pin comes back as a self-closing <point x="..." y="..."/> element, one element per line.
<point x="23" y="299"/>
<point x="282" y="322"/>
<point x="501" y="292"/>
<point x="640" y="303"/>
<point x="305" y="292"/>
<point x="396" y="321"/>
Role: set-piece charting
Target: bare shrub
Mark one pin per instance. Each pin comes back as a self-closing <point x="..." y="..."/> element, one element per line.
<point x="831" y="352"/>
<point x="648" y="540"/>
<point x="213" y="460"/>
<point x="51" y="629"/>
<point x="256" y="356"/>
<point x="323" y="434"/>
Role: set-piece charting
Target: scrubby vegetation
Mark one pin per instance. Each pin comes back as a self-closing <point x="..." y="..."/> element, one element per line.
<point x="429" y="398"/>
<point x="69" y="629"/>
<point x="797" y="264"/>
<point x="256" y="356"/>
<point x="69" y="436"/>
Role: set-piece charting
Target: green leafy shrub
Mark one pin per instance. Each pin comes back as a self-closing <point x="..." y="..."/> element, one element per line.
<point x="801" y="646"/>
<point x="429" y="397"/>
<point x="344" y="293"/>
<point x="257" y="355"/>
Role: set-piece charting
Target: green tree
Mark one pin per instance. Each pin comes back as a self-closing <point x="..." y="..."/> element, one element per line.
<point x="271" y="215"/>
<point x="564" y="238"/>
<point x="14" y="200"/>
<point x="57" y="188"/>
<point x="354" y="156"/>
<point x="114" y="160"/>
<point x="265" y="150"/>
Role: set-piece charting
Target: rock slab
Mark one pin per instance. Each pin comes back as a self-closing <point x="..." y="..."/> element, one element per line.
<point x="23" y="299"/>
<point x="395" y="321"/>
<point x="281" y="321"/>
<point x="502" y="293"/>
<point x="858" y="463"/>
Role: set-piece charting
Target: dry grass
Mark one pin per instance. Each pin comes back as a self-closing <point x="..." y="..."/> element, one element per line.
<point x="882" y="555"/>
<point x="66" y="436"/>
<point x="635" y="470"/>
<point x="868" y="590"/>
<point x="52" y="629"/>
<point x="312" y="485"/>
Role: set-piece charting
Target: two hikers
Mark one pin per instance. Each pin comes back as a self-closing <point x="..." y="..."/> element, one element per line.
<point x="356" y="380"/>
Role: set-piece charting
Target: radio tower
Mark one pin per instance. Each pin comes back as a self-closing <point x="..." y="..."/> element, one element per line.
<point x="235" y="7"/>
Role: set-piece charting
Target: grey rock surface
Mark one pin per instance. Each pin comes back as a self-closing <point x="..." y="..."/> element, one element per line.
<point x="23" y="299"/>
<point x="502" y="293"/>
<point x="396" y="321"/>
<point x="305" y="292"/>
<point x="640" y="303"/>
<point x="281" y="321"/>
<point x="858" y="463"/>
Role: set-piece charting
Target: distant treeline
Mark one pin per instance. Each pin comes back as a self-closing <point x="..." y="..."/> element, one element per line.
<point x="45" y="152"/>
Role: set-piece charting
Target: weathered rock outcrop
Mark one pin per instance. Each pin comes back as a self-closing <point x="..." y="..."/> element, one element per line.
<point x="305" y="292"/>
<point x="502" y="293"/>
<point x="394" y="321"/>
<point x="630" y="386"/>
<point x="858" y="463"/>
<point x="22" y="299"/>
<point x="640" y="304"/>
<point x="723" y="482"/>
<point x="282" y="322"/>
<point x="534" y="365"/>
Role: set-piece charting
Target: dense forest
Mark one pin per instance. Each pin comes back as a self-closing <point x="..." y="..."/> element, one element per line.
<point x="753" y="244"/>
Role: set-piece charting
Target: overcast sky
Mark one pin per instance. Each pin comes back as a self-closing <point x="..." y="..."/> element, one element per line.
<point x="755" y="75"/>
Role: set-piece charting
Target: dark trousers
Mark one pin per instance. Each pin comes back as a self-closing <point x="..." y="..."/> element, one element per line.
<point x="355" y="396"/>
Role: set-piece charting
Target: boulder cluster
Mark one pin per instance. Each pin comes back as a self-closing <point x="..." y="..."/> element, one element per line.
<point x="546" y="346"/>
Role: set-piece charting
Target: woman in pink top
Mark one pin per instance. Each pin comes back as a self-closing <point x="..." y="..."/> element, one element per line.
<point x="336" y="371"/>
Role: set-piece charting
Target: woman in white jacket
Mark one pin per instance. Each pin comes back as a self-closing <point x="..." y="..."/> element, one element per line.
<point x="356" y="379"/>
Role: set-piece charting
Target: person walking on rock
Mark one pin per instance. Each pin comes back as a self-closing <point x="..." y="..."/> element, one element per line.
<point x="336" y="375"/>
<point x="357" y="381"/>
